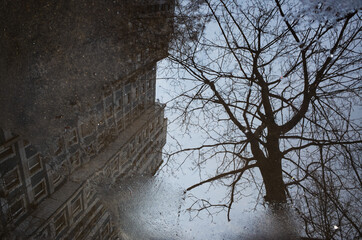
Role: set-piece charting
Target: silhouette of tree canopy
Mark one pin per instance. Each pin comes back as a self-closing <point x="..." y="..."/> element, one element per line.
<point x="275" y="91"/>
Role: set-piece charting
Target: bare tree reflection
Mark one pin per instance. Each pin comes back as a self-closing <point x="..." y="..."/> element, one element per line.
<point x="273" y="94"/>
<point x="329" y="201"/>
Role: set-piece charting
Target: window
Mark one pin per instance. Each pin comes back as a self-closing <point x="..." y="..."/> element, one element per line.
<point x="151" y="127"/>
<point x="109" y="111"/>
<point x="88" y="194"/>
<point x="59" y="146"/>
<point x="119" y="103"/>
<point x="115" y="165"/>
<point x="107" y="171"/>
<point x="17" y="208"/>
<point x="87" y="129"/>
<point x="11" y="179"/>
<point x="132" y="146"/>
<point x="128" y="118"/>
<point x="120" y="124"/>
<point x="75" y="159"/>
<point x="100" y="118"/>
<point x="139" y="57"/>
<point x="57" y="178"/>
<point x="101" y="140"/>
<point x="6" y="152"/>
<point x="105" y="231"/>
<point x="128" y="98"/>
<point x="90" y="149"/>
<point x="26" y="142"/>
<point x="34" y="164"/>
<point x="137" y="92"/>
<point x="77" y="206"/>
<point x="107" y="91"/>
<point x="60" y="222"/>
<point x="73" y="139"/>
<point x="39" y="190"/>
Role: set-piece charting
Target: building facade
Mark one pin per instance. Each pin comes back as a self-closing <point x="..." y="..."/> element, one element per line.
<point x="53" y="194"/>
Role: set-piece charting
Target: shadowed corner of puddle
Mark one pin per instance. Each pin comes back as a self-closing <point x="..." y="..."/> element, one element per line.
<point x="148" y="208"/>
<point x="144" y="207"/>
<point x="269" y="225"/>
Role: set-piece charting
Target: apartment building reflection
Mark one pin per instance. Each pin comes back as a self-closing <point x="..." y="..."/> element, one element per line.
<point x="51" y="195"/>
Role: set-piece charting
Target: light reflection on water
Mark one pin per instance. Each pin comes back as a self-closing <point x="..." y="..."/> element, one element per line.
<point x="152" y="208"/>
<point x="144" y="207"/>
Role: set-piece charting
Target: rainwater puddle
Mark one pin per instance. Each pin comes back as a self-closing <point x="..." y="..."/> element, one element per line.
<point x="152" y="208"/>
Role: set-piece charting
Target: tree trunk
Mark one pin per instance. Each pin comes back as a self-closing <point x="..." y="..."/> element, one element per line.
<point x="271" y="171"/>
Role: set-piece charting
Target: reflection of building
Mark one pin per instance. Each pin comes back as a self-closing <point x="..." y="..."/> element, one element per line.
<point x="52" y="196"/>
<point x="39" y="199"/>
